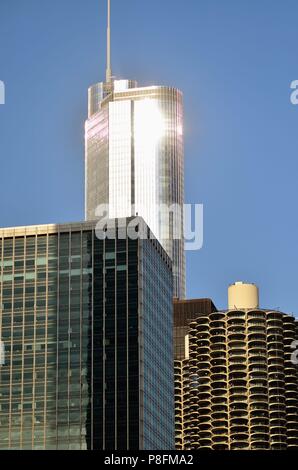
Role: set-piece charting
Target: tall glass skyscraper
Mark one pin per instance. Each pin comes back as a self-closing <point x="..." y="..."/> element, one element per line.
<point x="86" y="340"/>
<point x="134" y="160"/>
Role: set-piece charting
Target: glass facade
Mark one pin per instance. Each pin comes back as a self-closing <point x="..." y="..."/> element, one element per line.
<point x="85" y="365"/>
<point x="158" y="377"/>
<point x="134" y="160"/>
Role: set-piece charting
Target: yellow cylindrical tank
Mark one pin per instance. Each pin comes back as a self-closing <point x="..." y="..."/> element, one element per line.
<point x="243" y="296"/>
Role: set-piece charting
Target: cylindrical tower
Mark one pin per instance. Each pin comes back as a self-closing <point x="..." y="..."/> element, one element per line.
<point x="243" y="296"/>
<point x="242" y="380"/>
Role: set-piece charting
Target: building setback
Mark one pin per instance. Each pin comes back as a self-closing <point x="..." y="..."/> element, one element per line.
<point x="86" y="325"/>
<point x="237" y="382"/>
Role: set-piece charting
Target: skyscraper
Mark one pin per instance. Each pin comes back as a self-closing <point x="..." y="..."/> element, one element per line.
<point x="134" y="159"/>
<point x="86" y="325"/>
<point x="238" y="383"/>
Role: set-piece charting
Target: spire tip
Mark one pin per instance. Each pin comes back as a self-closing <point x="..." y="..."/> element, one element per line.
<point x="109" y="70"/>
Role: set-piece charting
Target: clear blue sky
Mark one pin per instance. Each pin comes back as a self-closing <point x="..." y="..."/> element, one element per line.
<point x="234" y="60"/>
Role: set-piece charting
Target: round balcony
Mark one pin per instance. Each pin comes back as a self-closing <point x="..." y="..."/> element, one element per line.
<point x="237" y="375"/>
<point x="275" y="348"/>
<point x="258" y="381"/>
<point x="292" y="406"/>
<point x="276" y="404"/>
<point x="273" y="315"/>
<point x="290" y="370"/>
<point x="217" y="356"/>
<point x="238" y="407"/>
<point x="261" y="443"/>
<point x="256" y="314"/>
<point x="236" y="314"/>
<point x="276" y="362"/>
<point x="289" y="330"/>
<point x="292" y="443"/>
<point x="218" y="361"/>
<point x="218" y="369"/>
<point x="205" y="444"/>
<point x="257" y="361"/>
<point x="240" y="443"/>
<point x="278" y="426"/>
<point x="202" y="330"/>
<point x="201" y="320"/>
<point x="257" y="390"/>
<point x="206" y="434"/>
<point x="217" y="316"/>
<point x="257" y="328"/>
<point x="219" y="400"/>
<point x="235" y="399"/>
<point x="237" y="349"/>
<point x="257" y="345"/>
<point x="203" y="397"/>
<point x="239" y="418"/>
<point x="258" y="321"/>
<point x="254" y="352"/>
<point x="237" y="336"/>
<point x="204" y="418"/>
<point x="258" y="420"/>
<point x="203" y="380"/>
<point x="205" y="426"/>
<point x="275" y="323"/>
<point x="278" y="434"/>
<point x="220" y="446"/>
<point x="203" y="335"/>
<point x="277" y="445"/>
<point x="217" y="324"/>
<point x="236" y="325"/>
<point x="277" y="384"/>
<point x="238" y="390"/>
<point x="217" y="340"/>
<point x="260" y="433"/>
<point x="220" y="416"/>
<point x="217" y="407"/>
<point x="256" y="336"/>
<point x="221" y="423"/>
<point x="220" y="432"/>
<point x="218" y="348"/>
<point x="258" y="374"/>
<point x="237" y="382"/>
<point x="276" y="396"/>
<point x="274" y="337"/>
<point x="237" y="364"/>
<point x="203" y="344"/>
<point x="193" y="367"/>
<point x="204" y="406"/>
<point x="219" y="387"/>
<point x="237" y="352"/>
<point x="260" y="413"/>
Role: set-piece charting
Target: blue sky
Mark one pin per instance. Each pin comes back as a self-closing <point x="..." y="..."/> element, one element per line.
<point x="234" y="61"/>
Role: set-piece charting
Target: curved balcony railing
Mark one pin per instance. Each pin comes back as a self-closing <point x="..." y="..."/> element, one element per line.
<point x="239" y="389"/>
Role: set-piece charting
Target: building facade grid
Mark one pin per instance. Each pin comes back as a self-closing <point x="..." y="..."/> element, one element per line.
<point x="74" y="317"/>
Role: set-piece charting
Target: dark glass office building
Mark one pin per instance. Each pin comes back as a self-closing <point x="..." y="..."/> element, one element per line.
<point x="86" y="340"/>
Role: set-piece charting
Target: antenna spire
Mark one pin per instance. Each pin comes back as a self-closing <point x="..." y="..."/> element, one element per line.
<point x="109" y="70"/>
